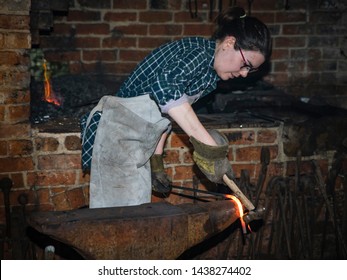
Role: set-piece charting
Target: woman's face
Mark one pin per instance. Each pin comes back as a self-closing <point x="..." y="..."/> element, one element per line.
<point x="230" y="63"/>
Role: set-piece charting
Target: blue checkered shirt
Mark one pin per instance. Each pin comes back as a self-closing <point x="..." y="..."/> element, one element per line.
<point x="177" y="72"/>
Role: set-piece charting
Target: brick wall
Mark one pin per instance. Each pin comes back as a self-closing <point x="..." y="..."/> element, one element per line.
<point x="16" y="145"/>
<point x="111" y="37"/>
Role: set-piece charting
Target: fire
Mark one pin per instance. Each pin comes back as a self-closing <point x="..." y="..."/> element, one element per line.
<point x="50" y="96"/>
<point x="239" y="206"/>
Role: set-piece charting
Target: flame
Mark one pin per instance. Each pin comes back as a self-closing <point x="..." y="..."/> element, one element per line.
<point x="50" y="96"/>
<point x="240" y="208"/>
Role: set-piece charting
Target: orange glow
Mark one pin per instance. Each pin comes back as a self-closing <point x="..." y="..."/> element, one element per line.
<point x="239" y="206"/>
<point x="50" y="96"/>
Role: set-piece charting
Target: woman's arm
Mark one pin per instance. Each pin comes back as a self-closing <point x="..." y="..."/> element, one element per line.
<point x="186" y="118"/>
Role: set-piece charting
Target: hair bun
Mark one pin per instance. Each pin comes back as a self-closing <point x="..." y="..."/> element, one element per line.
<point x="238" y="12"/>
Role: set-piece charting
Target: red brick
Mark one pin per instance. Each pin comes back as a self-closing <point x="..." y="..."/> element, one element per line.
<point x="132" y="55"/>
<point x="152" y="43"/>
<point x="183" y="173"/>
<point x="14" y="22"/>
<point x="18" y="180"/>
<point x="131" y="29"/>
<point x="185" y="16"/>
<point x="16" y="164"/>
<point x="59" y="162"/>
<point x="83" y="15"/>
<point x="51" y="178"/>
<point x="263" y="5"/>
<point x="165" y="29"/>
<point x="157" y="16"/>
<point x="279" y="54"/>
<point x="289" y="42"/>
<point x="11" y="58"/>
<point x="275" y="169"/>
<point x="124" y="67"/>
<point x="48" y="144"/>
<point x="175" y="4"/>
<point x="19" y="112"/>
<point x="120" y="16"/>
<point x="290" y="17"/>
<point x="87" y="42"/>
<point x="3" y="148"/>
<point x="248" y="154"/>
<point x="241" y="137"/>
<point x="15" y="130"/>
<point x="197" y="30"/>
<point x="43" y="196"/>
<point x="297" y="29"/>
<point x="237" y="168"/>
<point x="17" y="41"/>
<point x="76" y="198"/>
<point x="92" y="29"/>
<point x="13" y="78"/>
<point x="83" y="177"/>
<point x="180" y="141"/>
<point x="63" y="56"/>
<point x="188" y="157"/>
<point x="116" y="42"/>
<point x="72" y="143"/>
<point x="105" y="55"/>
<point x="60" y="202"/>
<point x="2" y="113"/>
<point x="20" y="147"/>
<point x="171" y="157"/>
<point x="17" y="97"/>
<point x="266" y="136"/>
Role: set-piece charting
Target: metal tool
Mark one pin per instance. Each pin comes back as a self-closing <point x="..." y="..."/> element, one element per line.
<point x="254" y="217"/>
<point x="238" y="193"/>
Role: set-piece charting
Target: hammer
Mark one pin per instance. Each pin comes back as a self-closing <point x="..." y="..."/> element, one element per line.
<point x="254" y="217"/>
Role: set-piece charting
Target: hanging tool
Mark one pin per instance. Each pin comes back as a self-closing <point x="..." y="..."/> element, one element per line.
<point x="211" y="9"/>
<point x="329" y="208"/>
<point x="265" y="160"/>
<point x="250" y="7"/>
<point x="220" y="6"/>
<point x="195" y="13"/>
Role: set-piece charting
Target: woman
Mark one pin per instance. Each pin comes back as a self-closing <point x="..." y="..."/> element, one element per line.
<point x="132" y="127"/>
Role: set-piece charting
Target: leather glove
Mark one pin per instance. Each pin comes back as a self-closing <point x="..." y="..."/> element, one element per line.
<point x="212" y="160"/>
<point x="160" y="181"/>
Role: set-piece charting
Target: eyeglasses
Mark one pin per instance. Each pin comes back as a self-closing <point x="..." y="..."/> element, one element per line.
<point x="246" y="66"/>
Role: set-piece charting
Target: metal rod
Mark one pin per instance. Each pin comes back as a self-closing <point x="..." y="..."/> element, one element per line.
<point x="199" y="191"/>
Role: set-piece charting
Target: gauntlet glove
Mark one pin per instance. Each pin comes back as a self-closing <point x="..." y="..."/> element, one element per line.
<point x="160" y="181"/>
<point x="212" y="160"/>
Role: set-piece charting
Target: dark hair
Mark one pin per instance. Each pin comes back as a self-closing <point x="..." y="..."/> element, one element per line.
<point x="250" y="32"/>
